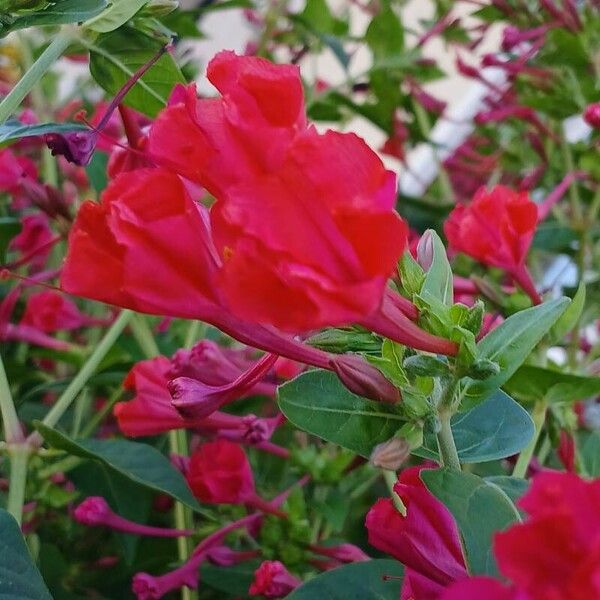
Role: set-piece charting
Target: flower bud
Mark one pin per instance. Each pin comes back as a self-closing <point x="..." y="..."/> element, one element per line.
<point x="425" y="365"/>
<point x="390" y="455"/>
<point x="364" y="379"/>
<point x="160" y="8"/>
<point x="483" y="368"/>
<point x="425" y="251"/>
<point x="591" y="115"/>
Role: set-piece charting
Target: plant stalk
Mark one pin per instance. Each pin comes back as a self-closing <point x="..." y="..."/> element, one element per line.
<point x="88" y="369"/>
<point x="45" y="61"/>
<point x="445" y="439"/>
<point x="539" y="417"/>
<point x="19" y="457"/>
<point x="12" y="428"/>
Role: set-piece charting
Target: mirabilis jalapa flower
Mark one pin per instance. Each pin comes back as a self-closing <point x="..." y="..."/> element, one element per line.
<point x="302" y="235"/>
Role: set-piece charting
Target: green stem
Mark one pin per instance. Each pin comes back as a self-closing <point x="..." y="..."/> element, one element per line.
<point x="194" y="332"/>
<point x="539" y="417"/>
<point x="99" y="416"/>
<point x="79" y="381"/>
<point x="445" y="439"/>
<point x="12" y="428"/>
<point x="144" y="337"/>
<point x="391" y="477"/>
<point x="177" y="445"/>
<point x="19" y="457"/>
<point x="183" y="515"/>
<point x="46" y="60"/>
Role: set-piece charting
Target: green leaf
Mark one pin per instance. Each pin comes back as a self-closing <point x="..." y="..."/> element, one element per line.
<point x="9" y="227"/>
<point x="480" y="508"/>
<point x="141" y="463"/>
<point x="59" y="12"/>
<point x="96" y="171"/>
<point x="318" y="403"/>
<point x="118" y="54"/>
<point x="438" y="278"/>
<point x="513" y="487"/>
<point x="589" y="452"/>
<point x="235" y="580"/>
<point x="13" y="130"/>
<point x="356" y="581"/>
<point x="385" y="34"/>
<point x="19" y="577"/>
<point x="117" y="14"/>
<point x="511" y="343"/>
<point x="494" y="429"/>
<point x="569" y="318"/>
<point x="532" y="383"/>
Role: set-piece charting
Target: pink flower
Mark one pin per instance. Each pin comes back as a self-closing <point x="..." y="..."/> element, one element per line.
<point x="94" y="511"/>
<point x="426" y="540"/>
<point x="273" y="580"/>
<point x="50" y="311"/>
<point x="34" y="240"/>
<point x="497" y="229"/>
<point x="591" y="115"/>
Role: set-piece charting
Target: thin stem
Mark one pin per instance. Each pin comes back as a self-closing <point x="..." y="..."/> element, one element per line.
<point x="183" y="515"/>
<point x="391" y="478"/>
<point x="46" y="60"/>
<point x="177" y="445"/>
<point x="88" y="369"/>
<point x="12" y="427"/>
<point x="99" y="416"/>
<point x="446" y="444"/>
<point x="19" y="457"/>
<point x="195" y="331"/>
<point x="576" y="205"/>
<point x="144" y="337"/>
<point x="539" y="417"/>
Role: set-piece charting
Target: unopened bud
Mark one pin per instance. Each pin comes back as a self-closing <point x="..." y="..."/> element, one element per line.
<point x="390" y="455"/>
<point x="591" y="115"/>
<point x="364" y="379"/>
<point x="474" y="319"/>
<point x="425" y="251"/>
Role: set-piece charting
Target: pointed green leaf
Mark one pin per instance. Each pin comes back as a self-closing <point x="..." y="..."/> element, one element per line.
<point x="19" y="577"/>
<point x="356" y="581"/>
<point x="511" y="343"/>
<point x="494" y="429"/>
<point x="318" y="403"/>
<point x="480" y="508"/>
<point x="141" y="463"/>
<point x="117" y="14"/>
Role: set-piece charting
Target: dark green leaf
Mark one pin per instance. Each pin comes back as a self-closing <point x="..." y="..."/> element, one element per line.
<point x="589" y="451"/>
<point x="532" y="383"/>
<point x="9" y="227"/>
<point x="19" y="577"/>
<point x="234" y="580"/>
<point x="117" y="14"/>
<point x="356" y="581"/>
<point x="96" y="171"/>
<point x="480" y="508"/>
<point x="13" y="130"/>
<point x="141" y="463"/>
<point x="385" y="34"/>
<point x="318" y="403"/>
<point x="513" y="487"/>
<point x="60" y="12"/>
<point x="117" y="55"/>
<point x="512" y="342"/>
<point x="494" y="429"/>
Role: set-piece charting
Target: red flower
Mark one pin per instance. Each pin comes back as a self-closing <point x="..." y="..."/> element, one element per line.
<point x="497" y="229"/>
<point x="219" y="473"/>
<point x="34" y="240"/>
<point x="556" y="552"/>
<point x="304" y="232"/>
<point x="151" y="411"/>
<point x="426" y="540"/>
<point x="50" y="311"/>
<point x="591" y="115"/>
<point x="273" y="580"/>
